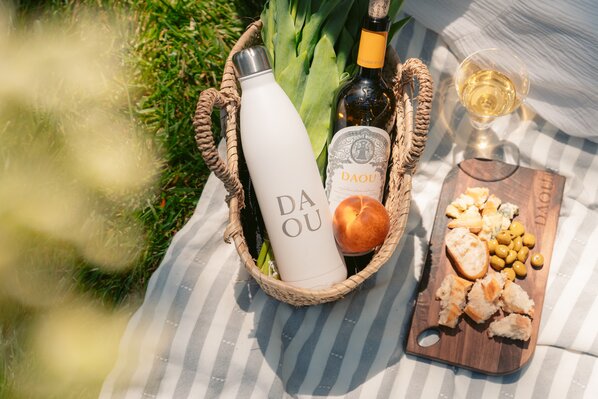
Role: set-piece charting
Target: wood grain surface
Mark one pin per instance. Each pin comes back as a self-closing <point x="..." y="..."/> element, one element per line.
<point x="538" y="195"/>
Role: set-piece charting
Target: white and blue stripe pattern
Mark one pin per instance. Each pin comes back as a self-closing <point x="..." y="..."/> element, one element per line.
<point x="558" y="40"/>
<point x="206" y="330"/>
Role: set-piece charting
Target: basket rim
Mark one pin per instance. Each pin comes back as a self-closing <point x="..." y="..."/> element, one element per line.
<point x="343" y="287"/>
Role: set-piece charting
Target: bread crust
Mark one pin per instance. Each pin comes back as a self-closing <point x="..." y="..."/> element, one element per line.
<point x="516" y="300"/>
<point x="514" y="326"/>
<point x="470" y="270"/>
<point x="470" y="218"/>
<point x="452" y="296"/>
<point x="478" y="194"/>
<point x="483" y="300"/>
<point x="491" y="205"/>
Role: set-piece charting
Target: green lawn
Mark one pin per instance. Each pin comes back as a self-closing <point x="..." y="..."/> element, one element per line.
<point x="171" y="50"/>
<point x="172" y="63"/>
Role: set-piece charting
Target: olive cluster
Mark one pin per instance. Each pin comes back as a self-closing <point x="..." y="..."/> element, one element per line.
<point x="510" y="249"/>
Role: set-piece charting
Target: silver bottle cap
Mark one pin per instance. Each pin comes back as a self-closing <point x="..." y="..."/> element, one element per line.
<point x="251" y="61"/>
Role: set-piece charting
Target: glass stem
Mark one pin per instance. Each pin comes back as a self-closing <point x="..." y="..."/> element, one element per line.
<point x="481" y="122"/>
<point x="481" y="144"/>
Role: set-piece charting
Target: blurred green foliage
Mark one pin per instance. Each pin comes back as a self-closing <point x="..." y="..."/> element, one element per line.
<point x="170" y="51"/>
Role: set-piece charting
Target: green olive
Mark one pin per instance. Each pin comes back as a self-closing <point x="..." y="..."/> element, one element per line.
<point x="522" y="254"/>
<point x="537" y="260"/>
<point x="492" y="245"/>
<point x="509" y="273"/>
<point x="517" y="243"/>
<point x="519" y="269"/>
<point x="511" y="257"/>
<point x="503" y="237"/>
<point x="497" y="263"/>
<point x="517" y="228"/>
<point x="529" y="240"/>
<point x="501" y="251"/>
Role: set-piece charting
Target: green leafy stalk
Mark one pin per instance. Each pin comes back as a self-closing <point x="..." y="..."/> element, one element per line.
<point x="316" y="106"/>
<point x="343" y="51"/>
<point x="269" y="28"/>
<point x="393" y="10"/>
<point x="397" y="26"/>
<point x="303" y="11"/>
<point x="336" y="22"/>
<point x="355" y="18"/>
<point x="284" y="42"/>
<point x="312" y="29"/>
<point x="265" y="261"/>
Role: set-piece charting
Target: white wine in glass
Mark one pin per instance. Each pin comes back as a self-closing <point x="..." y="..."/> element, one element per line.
<point x="491" y="83"/>
<point x="489" y="93"/>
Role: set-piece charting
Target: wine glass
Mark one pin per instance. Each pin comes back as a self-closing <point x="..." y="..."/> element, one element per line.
<point x="491" y="83"/>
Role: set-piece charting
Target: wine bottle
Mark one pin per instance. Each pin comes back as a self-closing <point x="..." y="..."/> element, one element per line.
<point x="286" y="179"/>
<point x="362" y="121"/>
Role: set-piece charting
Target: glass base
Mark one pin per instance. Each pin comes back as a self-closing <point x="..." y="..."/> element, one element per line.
<point x="487" y="170"/>
<point x="504" y="152"/>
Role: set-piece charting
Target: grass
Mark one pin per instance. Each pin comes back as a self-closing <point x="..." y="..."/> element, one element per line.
<point x="175" y="49"/>
<point x="178" y="50"/>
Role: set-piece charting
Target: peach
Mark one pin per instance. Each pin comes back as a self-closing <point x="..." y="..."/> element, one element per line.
<point x="360" y="224"/>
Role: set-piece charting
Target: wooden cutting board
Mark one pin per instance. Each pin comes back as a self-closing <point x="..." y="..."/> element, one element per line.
<point x="538" y="195"/>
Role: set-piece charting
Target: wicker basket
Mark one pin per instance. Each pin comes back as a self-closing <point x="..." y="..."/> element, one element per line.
<point x="408" y="146"/>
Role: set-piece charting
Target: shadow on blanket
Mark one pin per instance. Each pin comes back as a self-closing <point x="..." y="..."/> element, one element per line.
<point x="332" y="349"/>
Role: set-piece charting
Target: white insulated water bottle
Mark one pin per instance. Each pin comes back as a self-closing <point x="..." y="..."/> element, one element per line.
<point x="285" y="175"/>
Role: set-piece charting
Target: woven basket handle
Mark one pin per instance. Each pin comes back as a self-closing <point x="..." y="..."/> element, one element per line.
<point x="202" y="122"/>
<point x="415" y="69"/>
<point x="226" y="99"/>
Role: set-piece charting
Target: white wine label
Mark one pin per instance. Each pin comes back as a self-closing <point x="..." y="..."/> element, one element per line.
<point x="357" y="162"/>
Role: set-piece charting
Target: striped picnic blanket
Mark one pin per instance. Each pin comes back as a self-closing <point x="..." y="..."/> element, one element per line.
<point x="206" y="329"/>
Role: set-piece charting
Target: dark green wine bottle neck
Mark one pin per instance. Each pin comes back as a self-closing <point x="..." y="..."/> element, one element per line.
<point x="369" y="73"/>
<point x="374" y="25"/>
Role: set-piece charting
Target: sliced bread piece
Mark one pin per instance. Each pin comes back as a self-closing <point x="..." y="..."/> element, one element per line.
<point x="471" y="219"/>
<point x="452" y="293"/>
<point x="452" y="211"/>
<point x="516" y="300"/>
<point x="491" y="205"/>
<point x="462" y="202"/>
<point x="483" y="299"/>
<point x="514" y="326"/>
<point x="467" y="252"/>
<point x="493" y="285"/>
<point x="478" y="194"/>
